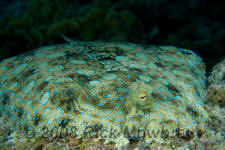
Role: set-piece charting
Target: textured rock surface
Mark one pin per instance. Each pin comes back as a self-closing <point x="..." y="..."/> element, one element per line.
<point x="215" y="103"/>
<point x="102" y="86"/>
<point x="216" y="90"/>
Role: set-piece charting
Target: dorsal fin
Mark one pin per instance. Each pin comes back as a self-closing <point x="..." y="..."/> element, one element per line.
<point x="79" y="43"/>
<point x="71" y="41"/>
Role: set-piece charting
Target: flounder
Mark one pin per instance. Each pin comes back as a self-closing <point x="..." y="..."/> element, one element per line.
<point x="103" y="89"/>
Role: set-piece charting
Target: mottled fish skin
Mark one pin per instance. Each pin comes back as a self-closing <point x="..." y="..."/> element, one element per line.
<point x="101" y="83"/>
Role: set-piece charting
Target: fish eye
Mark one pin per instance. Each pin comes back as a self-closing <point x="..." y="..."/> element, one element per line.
<point x="143" y="97"/>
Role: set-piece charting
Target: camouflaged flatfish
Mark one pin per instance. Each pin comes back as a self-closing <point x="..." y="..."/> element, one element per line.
<point x="103" y="85"/>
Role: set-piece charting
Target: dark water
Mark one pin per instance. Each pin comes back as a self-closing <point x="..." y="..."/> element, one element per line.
<point x="194" y="24"/>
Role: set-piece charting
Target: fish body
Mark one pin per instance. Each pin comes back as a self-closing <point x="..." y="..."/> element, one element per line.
<point x="102" y="86"/>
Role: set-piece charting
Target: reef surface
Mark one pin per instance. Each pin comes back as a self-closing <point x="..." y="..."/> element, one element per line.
<point x="102" y="89"/>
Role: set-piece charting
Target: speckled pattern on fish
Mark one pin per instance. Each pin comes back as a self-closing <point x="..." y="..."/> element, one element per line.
<point x="103" y="84"/>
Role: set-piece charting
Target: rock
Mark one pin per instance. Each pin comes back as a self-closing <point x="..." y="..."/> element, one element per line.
<point x="216" y="89"/>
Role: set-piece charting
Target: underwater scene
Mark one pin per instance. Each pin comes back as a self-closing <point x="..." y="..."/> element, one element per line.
<point x="112" y="75"/>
